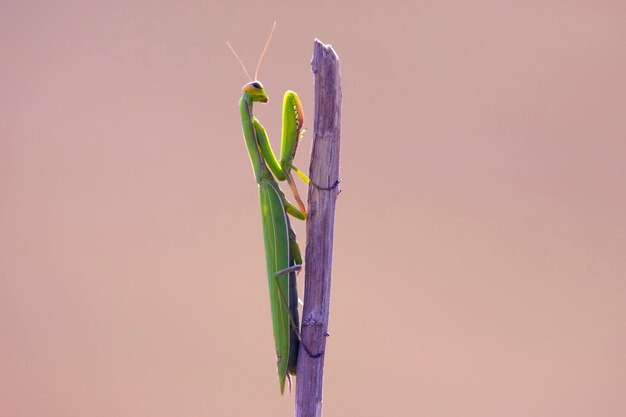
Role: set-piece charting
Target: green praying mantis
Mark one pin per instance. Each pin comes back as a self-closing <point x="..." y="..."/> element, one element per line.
<point x="282" y="253"/>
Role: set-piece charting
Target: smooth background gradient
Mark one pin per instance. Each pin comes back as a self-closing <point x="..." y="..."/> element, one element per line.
<point x="480" y="245"/>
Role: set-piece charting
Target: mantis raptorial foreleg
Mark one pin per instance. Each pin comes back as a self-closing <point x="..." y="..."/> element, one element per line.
<point x="281" y="168"/>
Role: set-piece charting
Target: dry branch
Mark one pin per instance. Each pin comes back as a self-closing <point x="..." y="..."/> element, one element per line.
<point x="324" y="171"/>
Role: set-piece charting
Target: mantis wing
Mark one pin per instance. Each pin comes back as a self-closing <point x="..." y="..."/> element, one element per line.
<point x="276" y="236"/>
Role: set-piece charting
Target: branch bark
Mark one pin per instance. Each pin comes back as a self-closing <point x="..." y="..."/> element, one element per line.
<point x="324" y="171"/>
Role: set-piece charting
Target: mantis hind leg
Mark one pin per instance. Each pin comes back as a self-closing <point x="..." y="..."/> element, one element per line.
<point x="291" y="301"/>
<point x="295" y="340"/>
<point x="294" y="337"/>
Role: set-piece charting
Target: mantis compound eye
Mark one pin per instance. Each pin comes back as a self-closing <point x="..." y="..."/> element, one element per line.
<point x="256" y="85"/>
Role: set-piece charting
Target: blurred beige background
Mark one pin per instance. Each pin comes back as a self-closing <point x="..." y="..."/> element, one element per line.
<point x="480" y="245"/>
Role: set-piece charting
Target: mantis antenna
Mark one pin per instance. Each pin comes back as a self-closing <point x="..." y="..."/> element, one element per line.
<point x="240" y="61"/>
<point x="269" y="38"/>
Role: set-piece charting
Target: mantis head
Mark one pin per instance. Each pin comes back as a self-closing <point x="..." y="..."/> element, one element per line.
<point x="255" y="91"/>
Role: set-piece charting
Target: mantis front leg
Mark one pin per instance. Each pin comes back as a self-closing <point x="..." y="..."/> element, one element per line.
<point x="289" y="144"/>
<point x="293" y="119"/>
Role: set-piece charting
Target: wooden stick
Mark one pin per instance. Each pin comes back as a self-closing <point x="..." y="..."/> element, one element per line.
<point x="324" y="172"/>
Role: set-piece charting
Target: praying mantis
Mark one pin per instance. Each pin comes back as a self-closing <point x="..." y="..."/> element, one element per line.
<point x="282" y="253"/>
